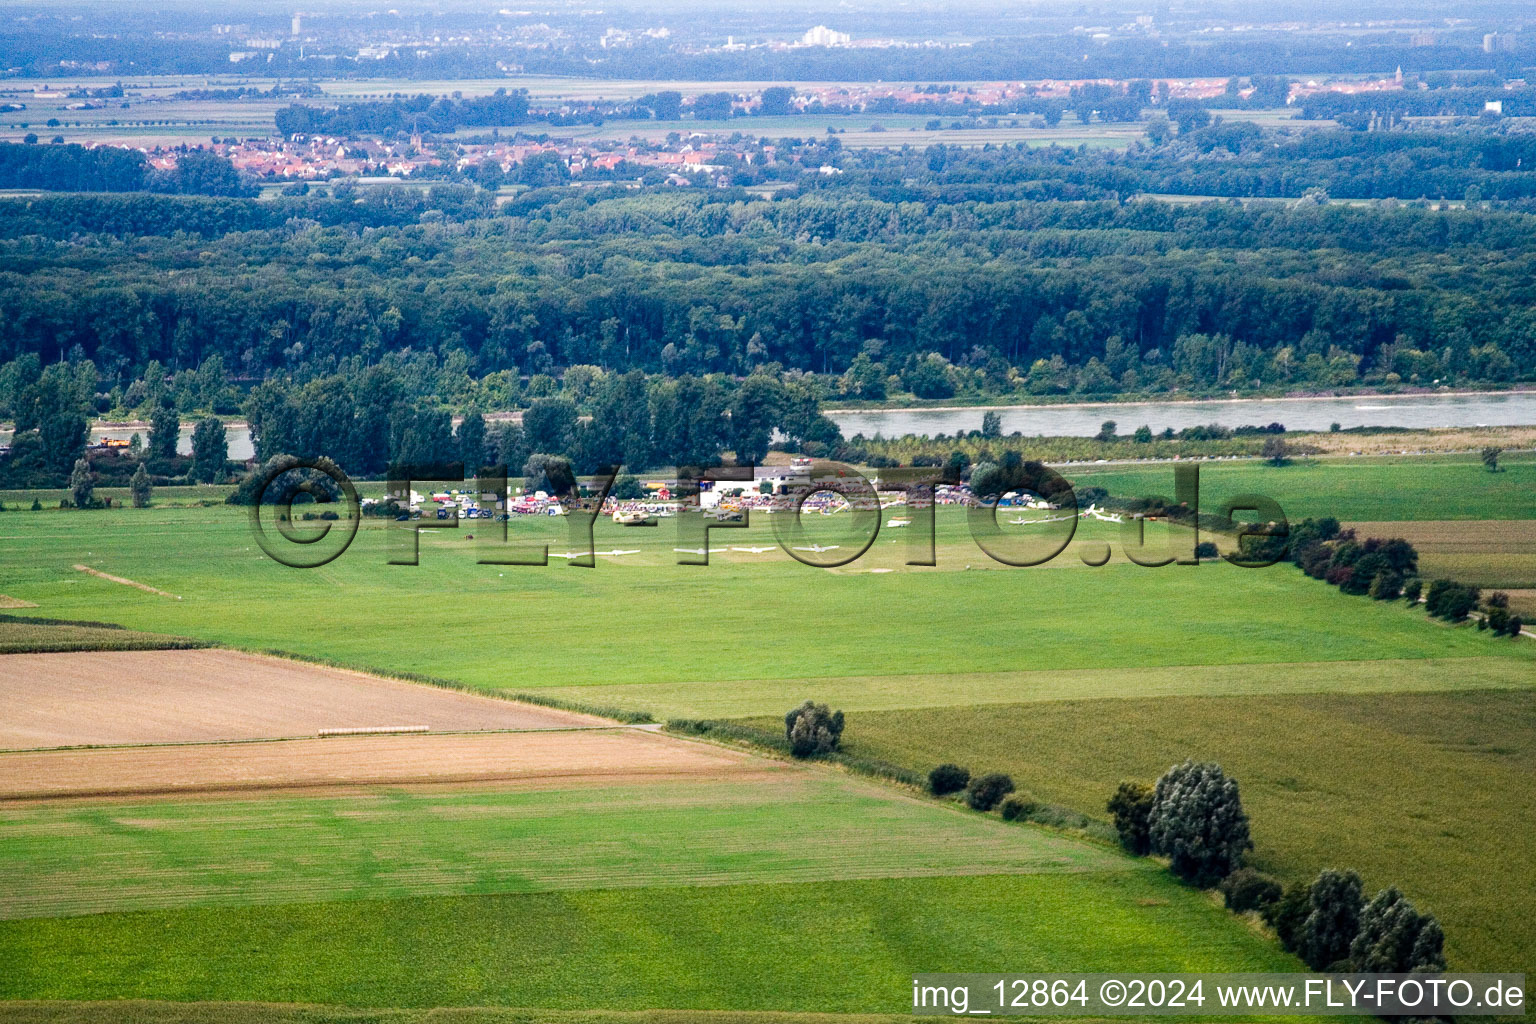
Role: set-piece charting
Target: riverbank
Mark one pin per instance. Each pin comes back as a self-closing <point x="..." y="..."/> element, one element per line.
<point x="1121" y="401"/>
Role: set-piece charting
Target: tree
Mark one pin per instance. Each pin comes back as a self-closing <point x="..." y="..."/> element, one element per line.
<point x="550" y="425"/>
<point x="1106" y="431"/>
<point x="164" y="430"/>
<point x="627" y="488"/>
<point x="991" y="425"/>
<point x="948" y="778"/>
<point x="62" y="438"/>
<point x="1276" y="452"/>
<point x="1197" y="821"/>
<point x="1491" y="458"/>
<point x="775" y="100"/>
<point x="1412" y="589"/>
<point x="82" y="483"/>
<point x="210" y="450"/>
<point x="136" y="446"/>
<point x="1450" y="600"/>
<point x="1394" y="938"/>
<point x="987" y="791"/>
<point x="1143" y="435"/>
<point x="542" y="170"/>
<point x="1333" y="918"/>
<point x="551" y="474"/>
<point x="1131" y="807"/>
<point x="712" y="106"/>
<point x="813" y="728"/>
<point x="471" y="441"/>
<point x="139" y="486"/>
<point x="757" y="404"/>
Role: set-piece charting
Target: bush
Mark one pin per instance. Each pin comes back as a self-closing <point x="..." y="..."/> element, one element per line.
<point x="1288" y="914"/>
<point x="1131" y="806"/>
<point x="813" y="728"/>
<point x="1386" y="586"/>
<point x="985" y="792"/>
<point x="1206" y="551"/>
<point x="1197" y="820"/>
<point x="948" y="778"/>
<point x="1017" y="807"/>
<point x="1246" y="889"/>
<point x="1412" y="589"/>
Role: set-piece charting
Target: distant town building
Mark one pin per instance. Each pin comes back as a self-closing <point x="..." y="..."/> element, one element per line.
<point x="1423" y="39"/>
<point x="298" y="23"/>
<point x="823" y="36"/>
<point x="1498" y="42"/>
<point x="1493" y="106"/>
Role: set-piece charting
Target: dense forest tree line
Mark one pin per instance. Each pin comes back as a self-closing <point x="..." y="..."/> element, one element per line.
<point x="877" y="298"/>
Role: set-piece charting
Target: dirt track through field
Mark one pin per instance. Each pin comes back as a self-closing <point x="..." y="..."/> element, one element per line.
<point x="533" y="759"/>
<point x="122" y="697"/>
<point x="122" y="580"/>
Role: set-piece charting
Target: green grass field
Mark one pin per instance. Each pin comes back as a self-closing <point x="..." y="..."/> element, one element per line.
<point x="1366" y="488"/>
<point x="1429" y="792"/>
<point x="62" y="859"/>
<point x="847" y="946"/>
<point x="741" y="636"/>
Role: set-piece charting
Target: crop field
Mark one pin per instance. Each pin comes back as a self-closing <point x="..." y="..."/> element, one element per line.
<point x="1430" y="792"/>
<point x="1485" y="553"/>
<point x="117" y="697"/>
<point x="842" y="946"/>
<point x="1379" y="488"/>
<point x="81" y="858"/>
<point x="21" y="637"/>
<point x="602" y="757"/>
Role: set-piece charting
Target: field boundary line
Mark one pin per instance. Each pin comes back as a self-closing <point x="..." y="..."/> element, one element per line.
<point x="621" y="716"/>
<point x="301" y="737"/>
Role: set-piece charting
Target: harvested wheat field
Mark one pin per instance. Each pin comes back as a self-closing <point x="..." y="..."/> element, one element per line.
<point x="123" y="697"/>
<point x="533" y="759"/>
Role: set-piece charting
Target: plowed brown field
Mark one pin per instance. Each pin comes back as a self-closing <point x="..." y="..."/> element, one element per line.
<point x="602" y="757"/>
<point x="122" y="697"/>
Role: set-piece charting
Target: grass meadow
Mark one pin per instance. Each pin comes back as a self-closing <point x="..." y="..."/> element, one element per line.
<point x="746" y="633"/>
<point x="847" y="946"/>
<point x="1375" y="488"/>
<point x="65" y="859"/>
<point x="1429" y="792"/>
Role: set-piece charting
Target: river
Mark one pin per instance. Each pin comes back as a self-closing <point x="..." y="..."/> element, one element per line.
<point x="1084" y="420"/>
